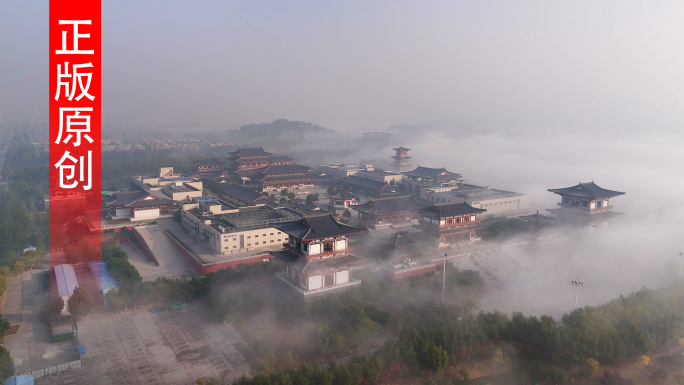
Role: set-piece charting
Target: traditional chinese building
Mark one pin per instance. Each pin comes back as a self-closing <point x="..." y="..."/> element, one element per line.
<point x="368" y="186"/>
<point x="403" y="257"/>
<point x="256" y="157"/>
<point x="285" y="176"/>
<point x="318" y="255"/>
<point x="250" y="158"/>
<point x="242" y="196"/>
<point x="138" y="206"/>
<point x="388" y="211"/>
<point x="343" y="198"/>
<point x="584" y="204"/>
<point x="208" y="165"/>
<point x="426" y="177"/>
<point x="537" y="225"/>
<point x="451" y="223"/>
<point x="401" y="159"/>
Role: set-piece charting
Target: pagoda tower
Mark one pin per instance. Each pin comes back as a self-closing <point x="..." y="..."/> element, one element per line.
<point x="401" y="159"/>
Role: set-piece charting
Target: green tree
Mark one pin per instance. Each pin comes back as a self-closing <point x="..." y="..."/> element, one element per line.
<point x="462" y="377"/>
<point x="557" y="376"/>
<point x="498" y="357"/>
<point x="346" y="213"/>
<point x="331" y="190"/>
<point x="291" y="196"/>
<point x="4" y="326"/>
<point x="56" y="304"/>
<point x="284" y="192"/>
<point x="6" y="364"/>
<point x="332" y="209"/>
<point x="309" y="200"/>
<point x="80" y="303"/>
<point x="283" y="201"/>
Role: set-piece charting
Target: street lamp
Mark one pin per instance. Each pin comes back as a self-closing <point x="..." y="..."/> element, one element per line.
<point x="444" y="256"/>
<point x="577" y="286"/>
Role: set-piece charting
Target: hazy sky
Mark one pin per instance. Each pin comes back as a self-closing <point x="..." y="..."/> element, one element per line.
<point x="509" y="65"/>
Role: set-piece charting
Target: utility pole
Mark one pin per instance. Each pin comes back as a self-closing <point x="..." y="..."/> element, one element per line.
<point x="681" y="259"/>
<point x="577" y="286"/>
<point x="444" y="257"/>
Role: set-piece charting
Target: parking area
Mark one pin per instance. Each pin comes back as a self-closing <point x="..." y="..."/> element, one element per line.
<point x="140" y="347"/>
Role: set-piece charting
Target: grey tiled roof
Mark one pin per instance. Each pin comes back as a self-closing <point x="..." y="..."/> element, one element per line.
<point x="243" y="193"/>
<point x="389" y="205"/>
<point x="317" y="226"/>
<point x="432" y="173"/>
<point x="586" y="190"/>
<point x="450" y="210"/>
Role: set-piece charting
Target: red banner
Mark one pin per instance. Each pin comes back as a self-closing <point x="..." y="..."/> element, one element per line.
<point x="75" y="124"/>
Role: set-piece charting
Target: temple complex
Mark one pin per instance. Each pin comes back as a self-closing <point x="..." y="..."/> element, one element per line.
<point x="451" y="223"/>
<point x="584" y="204"/>
<point x="318" y="254"/>
<point x="388" y="211"/>
<point x="259" y="168"/>
<point x="401" y="159"/>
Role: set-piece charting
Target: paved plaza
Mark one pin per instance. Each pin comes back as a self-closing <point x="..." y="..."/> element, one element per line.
<point x="140" y="347"/>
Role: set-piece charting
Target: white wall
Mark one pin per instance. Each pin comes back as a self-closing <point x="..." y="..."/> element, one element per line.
<point x="340" y="244"/>
<point x="123" y="212"/>
<point x="315" y="282"/>
<point x="314" y="248"/>
<point x="342" y="277"/>
<point x="146" y="214"/>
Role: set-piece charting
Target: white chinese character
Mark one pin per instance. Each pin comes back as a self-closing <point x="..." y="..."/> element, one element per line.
<point x="72" y="122"/>
<point x="77" y="35"/>
<point x="76" y="78"/>
<point x="71" y="168"/>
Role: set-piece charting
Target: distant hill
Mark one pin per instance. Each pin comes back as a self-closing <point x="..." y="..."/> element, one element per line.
<point x="280" y="132"/>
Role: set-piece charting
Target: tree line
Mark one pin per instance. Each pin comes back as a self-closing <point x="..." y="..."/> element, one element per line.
<point x="620" y="330"/>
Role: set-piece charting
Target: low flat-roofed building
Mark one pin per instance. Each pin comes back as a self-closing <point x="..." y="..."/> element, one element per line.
<point x="381" y="176"/>
<point x="343" y="170"/>
<point x="177" y="187"/>
<point x="105" y="282"/>
<point x="65" y="278"/>
<point x="493" y="200"/>
<point x="229" y="229"/>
